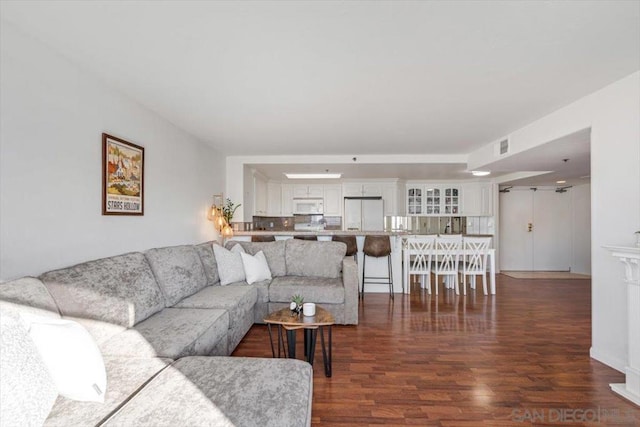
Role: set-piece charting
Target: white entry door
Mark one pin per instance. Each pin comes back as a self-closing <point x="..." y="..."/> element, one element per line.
<point x="516" y="242"/>
<point x="535" y="230"/>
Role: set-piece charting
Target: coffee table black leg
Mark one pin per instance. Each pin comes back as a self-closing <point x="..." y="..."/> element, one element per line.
<point x="327" y="361"/>
<point x="291" y="342"/>
<point x="273" y="351"/>
<point x="310" y="344"/>
<point x="281" y="341"/>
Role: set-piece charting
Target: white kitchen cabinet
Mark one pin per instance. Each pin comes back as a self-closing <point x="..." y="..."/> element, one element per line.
<point x="332" y="200"/>
<point x="393" y="197"/>
<point x="259" y="196"/>
<point x="451" y="200"/>
<point x="286" y="200"/>
<point x="430" y="199"/>
<point x="362" y="189"/>
<point x="315" y="191"/>
<point x="415" y="199"/>
<point x="274" y="199"/>
<point x="477" y="199"/>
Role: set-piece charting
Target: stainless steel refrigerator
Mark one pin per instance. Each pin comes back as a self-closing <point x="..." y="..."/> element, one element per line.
<point x="363" y="213"/>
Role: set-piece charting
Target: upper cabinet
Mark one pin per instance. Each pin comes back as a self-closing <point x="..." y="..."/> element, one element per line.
<point x="332" y="200"/>
<point x="259" y="195"/>
<point x="362" y="189"/>
<point x="430" y="199"/>
<point x="477" y="199"/>
<point x="274" y="199"/>
<point x="393" y="196"/>
<point x="286" y="208"/>
<point x="315" y="191"/>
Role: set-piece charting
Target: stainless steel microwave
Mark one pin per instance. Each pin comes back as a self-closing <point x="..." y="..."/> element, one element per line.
<point x="308" y="206"/>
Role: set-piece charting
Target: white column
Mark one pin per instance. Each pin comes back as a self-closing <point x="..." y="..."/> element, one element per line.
<point x="630" y="258"/>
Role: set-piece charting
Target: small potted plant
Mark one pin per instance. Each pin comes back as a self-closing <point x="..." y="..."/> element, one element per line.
<point x="296" y="304"/>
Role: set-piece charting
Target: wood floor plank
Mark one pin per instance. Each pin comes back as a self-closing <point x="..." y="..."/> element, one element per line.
<point x="520" y="357"/>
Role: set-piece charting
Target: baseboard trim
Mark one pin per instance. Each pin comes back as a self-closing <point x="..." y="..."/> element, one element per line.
<point x="609" y="360"/>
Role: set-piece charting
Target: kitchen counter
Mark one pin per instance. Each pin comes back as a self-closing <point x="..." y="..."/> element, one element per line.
<point x="318" y="233"/>
<point x="336" y="233"/>
<point x="375" y="266"/>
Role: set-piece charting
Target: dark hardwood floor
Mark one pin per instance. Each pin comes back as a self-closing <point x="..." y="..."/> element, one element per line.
<point x="520" y="357"/>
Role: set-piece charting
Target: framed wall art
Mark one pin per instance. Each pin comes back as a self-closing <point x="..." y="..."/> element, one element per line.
<point x="122" y="177"/>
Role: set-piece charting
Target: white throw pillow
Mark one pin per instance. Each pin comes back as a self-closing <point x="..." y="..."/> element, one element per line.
<point x="255" y="267"/>
<point x="72" y="358"/>
<point x="230" y="268"/>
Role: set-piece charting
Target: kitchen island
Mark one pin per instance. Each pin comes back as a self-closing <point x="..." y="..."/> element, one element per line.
<point x="375" y="266"/>
<point x="378" y="266"/>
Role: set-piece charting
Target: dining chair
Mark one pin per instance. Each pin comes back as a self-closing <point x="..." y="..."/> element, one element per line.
<point x="418" y="253"/>
<point x="474" y="261"/>
<point x="447" y="254"/>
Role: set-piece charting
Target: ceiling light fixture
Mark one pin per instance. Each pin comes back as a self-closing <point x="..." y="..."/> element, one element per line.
<point x="313" y="175"/>
<point x="562" y="181"/>
<point x="480" y="173"/>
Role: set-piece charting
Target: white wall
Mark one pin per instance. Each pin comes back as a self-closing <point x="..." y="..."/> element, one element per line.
<point x="613" y="114"/>
<point x="581" y="228"/>
<point x="51" y="120"/>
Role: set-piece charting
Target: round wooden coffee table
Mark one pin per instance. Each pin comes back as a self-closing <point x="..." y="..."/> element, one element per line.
<point x="311" y="324"/>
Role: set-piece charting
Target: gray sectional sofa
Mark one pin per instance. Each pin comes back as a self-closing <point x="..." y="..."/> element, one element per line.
<point x="165" y="328"/>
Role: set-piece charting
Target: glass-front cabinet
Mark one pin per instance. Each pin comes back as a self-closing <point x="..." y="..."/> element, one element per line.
<point x="432" y="201"/>
<point x="414" y="200"/>
<point x="429" y="199"/>
<point x="451" y="201"/>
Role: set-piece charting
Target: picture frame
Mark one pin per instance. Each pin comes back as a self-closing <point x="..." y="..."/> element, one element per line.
<point x="122" y="177"/>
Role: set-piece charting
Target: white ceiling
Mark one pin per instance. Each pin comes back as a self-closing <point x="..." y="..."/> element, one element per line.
<point x="349" y="77"/>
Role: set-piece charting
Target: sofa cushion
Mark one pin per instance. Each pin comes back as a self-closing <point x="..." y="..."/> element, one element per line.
<point x="27" y="392"/>
<point x="229" y="262"/>
<point x="28" y="295"/>
<point x="172" y="333"/>
<point x="256" y="268"/>
<point x="313" y="289"/>
<point x="224" y="391"/>
<point x="225" y="297"/>
<point x="262" y="289"/>
<point x="72" y="358"/>
<point x="125" y="375"/>
<point x="318" y="259"/>
<point x="205" y="252"/>
<point x="178" y="271"/>
<point x="274" y="252"/>
<point x="120" y="290"/>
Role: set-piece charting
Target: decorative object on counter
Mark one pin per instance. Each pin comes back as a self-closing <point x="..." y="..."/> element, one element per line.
<point x="637" y="233"/>
<point x="296" y="306"/>
<point x="219" y="217"/>
<point x="229" y="209"/>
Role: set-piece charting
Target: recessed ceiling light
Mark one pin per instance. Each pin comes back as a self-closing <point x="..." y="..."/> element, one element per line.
<point x="480" y="173"/>
<point x="562" y="181"/>
<point x="313" y="175"/>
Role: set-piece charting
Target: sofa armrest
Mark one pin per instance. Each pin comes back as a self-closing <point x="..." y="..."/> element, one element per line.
<point x="351" y="290"/>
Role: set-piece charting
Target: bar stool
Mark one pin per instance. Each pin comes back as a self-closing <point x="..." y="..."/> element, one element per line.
<point x="352" y="245"/>
<point x="306" y="237"/>
<point x="377" y="247"/>
<point x="263" y="238"/>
